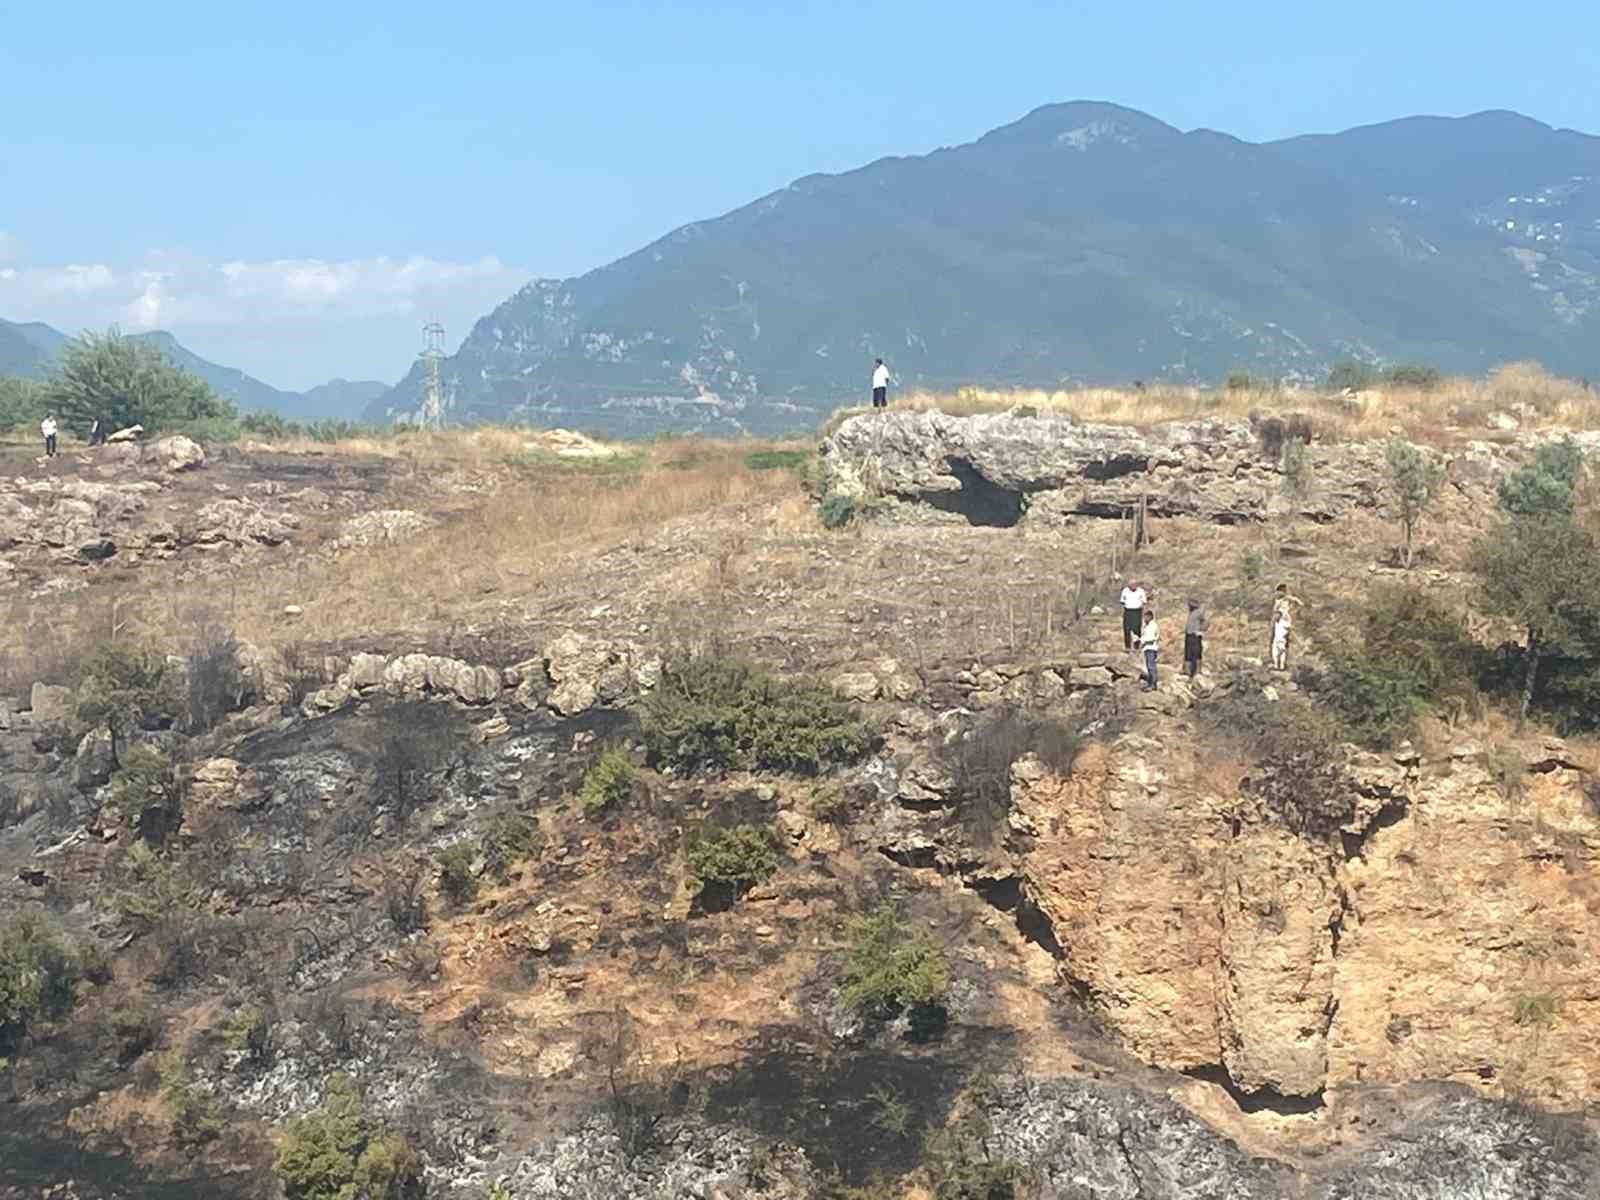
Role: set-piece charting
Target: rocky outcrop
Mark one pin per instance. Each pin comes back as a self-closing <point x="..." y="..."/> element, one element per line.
<point x="383" y="527"/>
<point x="1444" y="932"/>
<point x="998" y="469"/>
<point x="586" y="672"/>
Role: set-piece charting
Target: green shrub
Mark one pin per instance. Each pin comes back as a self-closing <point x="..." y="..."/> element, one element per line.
<point x="890" y="966"/>
<point x="38" y="977"/>
<point x="1356" y="376"/>
<point x="134" y="1026"/>
<point x="125" y="687"/>
<point x="777" y="460"/>
<point x="1414" y="375"/>
<point x="714" y="709"/>
<point x="457" y="884"/>
<point x="608" y="783"/>
<point x="837" y="510"/>
<point x="1414" y="480"/>
<point x="339" y="1153"/>
<point x="149" y="888"/>
<point x="1506" y="767"/>
<point x="731" y="861"/>
<point x="194" y="1116"/>
<point x="511" y="837"/>
<point x="1544" y="487"/>
<point x="1240" y="380"/>
<point x="146" y="794"/>
<point x="248" y="1033"/>
<point x="961" y="1166"/>
<point x="830" y="803"/>
<point x="1535" y="1008"/>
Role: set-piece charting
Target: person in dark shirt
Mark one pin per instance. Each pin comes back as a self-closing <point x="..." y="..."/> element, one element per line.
<point x="1194" y="631"/>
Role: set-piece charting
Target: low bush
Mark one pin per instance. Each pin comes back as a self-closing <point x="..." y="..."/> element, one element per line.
<point x="890" y="966"/>
<point x="728" y="862"/>
<point x="404" y="901"/>
<point x="194" y="1116"/>
<point x="980" y="761"/>
<point x="831" y="803"/>
<point x="419" y="744"/>
<point x="38" y="977"/>
<point x="148" y="888"/>
<point x="1413" y="375"/>
<point x="961" y="1166"/>
<point x="510" y="838"/>
<point x="837" y="510"/>
<point x="214" y="683"/>
<point x="607" y="783"/>
<point x="147" y="794"/>
<point x="1414" y="652"/>
<point x="457" y="884"/>
<point x="249" y="1034"/>
<point x="1353" y="375"/>
<point x="126" y="687"/>
<point x="133" y="1025"/>
<point x="714" y="709"/>
<point x="777" y="460"/>
<point x="339" y="1153"/>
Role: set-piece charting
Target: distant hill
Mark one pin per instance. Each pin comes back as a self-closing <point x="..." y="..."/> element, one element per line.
<point x="1084" y="243"/>
<point x="29" y="350"/>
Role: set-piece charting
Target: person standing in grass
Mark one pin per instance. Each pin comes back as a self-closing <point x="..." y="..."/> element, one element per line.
<point x="1283" y="606"/>
<point x="1150" y="643"/>
<point x="880" y="385"/>
<point x="1194" y="630"/>
<point x="48" y="428"/>
<point x="1133" y="600"/>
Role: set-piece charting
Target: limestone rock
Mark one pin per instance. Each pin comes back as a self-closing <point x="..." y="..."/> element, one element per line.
<point x="240" y="522"/>
<point x="584" y="671"/>
<point x="51" y="705"/>
<point x="858" y="686"/>
<point x="215" y="783"/>
<point x="176" y="453"/>
<point x="1091" y="677"/>
<point x="366" y="671"/>
<point x="93" y="763"/>
<point x="383" y="527"/>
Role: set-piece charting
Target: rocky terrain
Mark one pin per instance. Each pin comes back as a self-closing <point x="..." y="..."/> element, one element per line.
<point x="405" y="787"/>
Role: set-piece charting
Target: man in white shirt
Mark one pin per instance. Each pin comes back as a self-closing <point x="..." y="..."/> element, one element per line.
<point x="48" y="428"/>
<point x="880" y="385"/>
<point x="1133" y="601"/>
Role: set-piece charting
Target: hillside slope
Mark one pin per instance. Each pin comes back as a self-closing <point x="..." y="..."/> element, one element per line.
<point x="1083" y="242"/>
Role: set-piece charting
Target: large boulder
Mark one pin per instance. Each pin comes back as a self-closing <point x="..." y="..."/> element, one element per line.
<point x="51" y="705"/>
<point x="993" y="469"/>
<point x="175" y="453"/>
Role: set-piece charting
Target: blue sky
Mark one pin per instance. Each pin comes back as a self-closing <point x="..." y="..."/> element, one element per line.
<point x="293" y="188"/>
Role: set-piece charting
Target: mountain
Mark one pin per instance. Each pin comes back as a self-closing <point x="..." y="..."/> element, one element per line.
<point x="1084" y="243"/>
<point x="29" y="350"/>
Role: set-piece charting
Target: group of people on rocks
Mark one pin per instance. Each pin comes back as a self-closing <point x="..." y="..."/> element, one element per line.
<point x="1141" y="633"/>
<point x="50" y="429"/>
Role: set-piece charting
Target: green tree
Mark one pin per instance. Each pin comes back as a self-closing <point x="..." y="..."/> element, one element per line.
<point x="124" y="381"/>
<point x="1545" y="486"/>
<point x="1542" y="573"/>
<point x="22" y="402"/>
<point x="337" y="1153"/>
<point x="38" y="974"/>
<point x="1414" y="478"/>
<point x="1356" y="376"/>
<point x="125" y="686"/>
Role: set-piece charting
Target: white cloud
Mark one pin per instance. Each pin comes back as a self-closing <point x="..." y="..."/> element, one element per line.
<point x="290" y="322"/>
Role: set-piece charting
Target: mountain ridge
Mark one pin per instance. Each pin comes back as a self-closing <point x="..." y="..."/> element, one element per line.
<point x="1083" y="242"/>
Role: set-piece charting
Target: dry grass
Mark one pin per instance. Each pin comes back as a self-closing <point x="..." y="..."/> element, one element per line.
<point x="1458" y="406"/>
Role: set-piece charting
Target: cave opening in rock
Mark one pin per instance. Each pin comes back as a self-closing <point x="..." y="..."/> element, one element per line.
<point x="1263" y="1099"/>
<point x="980" y="501"/>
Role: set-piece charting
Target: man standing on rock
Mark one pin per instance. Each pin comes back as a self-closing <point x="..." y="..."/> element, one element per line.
<point x="1150" y="643"/>
<point x="48" y="428"/>
<point x="880" y="385"/>
<point x="1194" y="630"/>
<point x="1133" y="598"/>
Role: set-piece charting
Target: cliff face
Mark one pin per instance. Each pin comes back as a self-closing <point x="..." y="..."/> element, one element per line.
<point x="1448" y="931"/>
